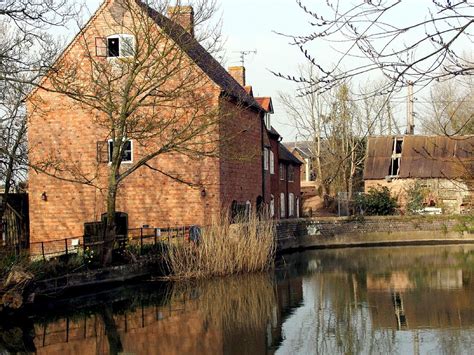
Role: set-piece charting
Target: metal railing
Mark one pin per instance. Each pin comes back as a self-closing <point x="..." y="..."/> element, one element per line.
<point x="140" y="237"/>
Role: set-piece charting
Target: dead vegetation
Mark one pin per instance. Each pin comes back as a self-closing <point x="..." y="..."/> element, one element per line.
<point x="224" y="248"/>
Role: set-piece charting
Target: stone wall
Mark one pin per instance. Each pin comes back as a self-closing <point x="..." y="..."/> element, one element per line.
<point x="393" y="230"/>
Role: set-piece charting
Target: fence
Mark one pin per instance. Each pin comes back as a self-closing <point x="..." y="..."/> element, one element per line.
<point x="139" y="237"/>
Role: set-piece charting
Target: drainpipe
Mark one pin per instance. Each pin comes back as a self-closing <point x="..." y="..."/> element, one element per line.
<point x="287" y="195"/>
<point x="262" y="130"/>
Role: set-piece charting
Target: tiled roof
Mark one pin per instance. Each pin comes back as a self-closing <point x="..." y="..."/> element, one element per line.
<point x="266" y="103"/>
<point x="286" y="155"/>
<point x="201" y="57"/>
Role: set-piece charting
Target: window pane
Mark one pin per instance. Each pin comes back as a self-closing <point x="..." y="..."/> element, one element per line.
<point x="111" y="149"/>
<point x="127" y="46"/>
<point x="113" y="47"/>
<point x="127" y="151"/>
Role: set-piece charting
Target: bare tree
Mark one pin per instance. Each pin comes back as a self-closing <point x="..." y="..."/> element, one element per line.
<point x="336" y="125"/>
<point x="450" y="108"/>
<point x="147" y="91"/>
<point x="26" y="53"/>
<point x="373" y="37"/>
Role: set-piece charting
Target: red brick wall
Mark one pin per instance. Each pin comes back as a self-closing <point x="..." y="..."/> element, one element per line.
<point x="66" y="130"/>
<point x="241" y="155"/>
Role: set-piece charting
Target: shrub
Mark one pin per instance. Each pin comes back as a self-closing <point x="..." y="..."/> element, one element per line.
<point x="415" y="197"/>
<point x="224" y="249"/>
<point x="377" y="202"/>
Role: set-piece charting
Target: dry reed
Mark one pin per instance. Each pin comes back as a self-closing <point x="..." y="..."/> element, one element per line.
<point x="224" y="249"/>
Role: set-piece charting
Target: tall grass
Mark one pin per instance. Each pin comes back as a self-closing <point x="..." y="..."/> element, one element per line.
<point x="225" y="248"/>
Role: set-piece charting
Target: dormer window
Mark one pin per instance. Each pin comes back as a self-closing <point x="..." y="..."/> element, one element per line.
<point x="116" y="46"/>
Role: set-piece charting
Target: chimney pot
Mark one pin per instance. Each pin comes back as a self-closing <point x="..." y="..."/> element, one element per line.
<point x="238" y="73"/>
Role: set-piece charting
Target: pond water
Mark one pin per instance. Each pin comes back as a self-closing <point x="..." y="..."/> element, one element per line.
<point x="404" y="300"/>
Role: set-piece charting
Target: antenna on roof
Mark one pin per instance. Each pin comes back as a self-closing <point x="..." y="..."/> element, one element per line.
<point x="243" y="54"/>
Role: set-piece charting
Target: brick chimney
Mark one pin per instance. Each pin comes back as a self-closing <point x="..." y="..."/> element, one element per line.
<point x="182" y="15"/>
<point x="238" y="73"/>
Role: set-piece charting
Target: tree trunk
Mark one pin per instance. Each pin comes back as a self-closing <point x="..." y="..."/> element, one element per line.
<point x="110" y="227"/>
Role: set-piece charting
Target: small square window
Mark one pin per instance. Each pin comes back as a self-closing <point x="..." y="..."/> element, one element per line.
<point x="127" y="154"/>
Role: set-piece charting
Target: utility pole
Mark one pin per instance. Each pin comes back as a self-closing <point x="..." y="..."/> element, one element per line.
<point x="410" y="110"/>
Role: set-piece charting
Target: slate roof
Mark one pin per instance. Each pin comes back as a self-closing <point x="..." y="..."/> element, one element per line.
<point x="421" y="157"/>
<point x="286" y="155"/>
<point x="303" y="147"/>
<point x="200" y="56"/>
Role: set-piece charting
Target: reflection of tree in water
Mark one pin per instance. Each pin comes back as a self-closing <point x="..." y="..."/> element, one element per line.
<point x="342" y="313"/>
<point x="222" y="315"/>
<point x="318" y="302"/>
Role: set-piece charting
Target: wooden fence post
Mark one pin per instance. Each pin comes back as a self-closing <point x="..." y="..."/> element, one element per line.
<point x="65" y="242"/>
<point x="42" y="250"/>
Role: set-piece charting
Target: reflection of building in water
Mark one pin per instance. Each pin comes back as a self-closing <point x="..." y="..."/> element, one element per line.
<point x="240" y="322"/>
<point x="438" y="299"/>
<point x="178" y="328"/>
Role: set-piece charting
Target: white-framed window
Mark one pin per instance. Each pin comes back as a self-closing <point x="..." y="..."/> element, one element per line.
<point x="272" y="163"/>
<point x="297" y="207"/>
<point x="248" y="208"/>
<point x="272" y="206"/>
<point x="282" y="205"/>
<point x="268" y="123"/>
<point x="282" y="172"/>
<point x="116" y="46"/>
<point x="265" y="158"/>
<point x="127" y="155"/>
<point x="396" y="157"/>
<point x="291" y="173"/>
<point x="291" y="204"/>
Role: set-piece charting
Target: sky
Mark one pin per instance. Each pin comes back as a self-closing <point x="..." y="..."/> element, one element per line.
<point x="251" y="25"/>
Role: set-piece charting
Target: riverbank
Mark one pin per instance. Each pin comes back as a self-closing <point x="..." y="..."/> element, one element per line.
<point x="331" y="232"/>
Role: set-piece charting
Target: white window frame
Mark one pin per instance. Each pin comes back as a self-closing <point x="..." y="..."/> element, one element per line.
<point x="272" y="162"/>
<point x="272" y="206"/>
<point x="282" y="205"/>
<point x="267" y="121"/>
<point x="109" y="152"/>
<point x="121" y="38"/>
<point x="265" y="159"/>
<point x="291" y="173"/>
<point x="248" y="208"/>
<point x="281" y="168"/>
<point x="297" y="207"/>
<point x="291" y="205"/>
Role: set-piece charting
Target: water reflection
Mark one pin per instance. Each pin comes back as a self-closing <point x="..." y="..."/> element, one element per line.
<point x="381" y="300"/>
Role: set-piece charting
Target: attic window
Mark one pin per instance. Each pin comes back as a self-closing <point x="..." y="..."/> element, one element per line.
<point x="396" y="157"/>
<point x="116" y="46"/>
